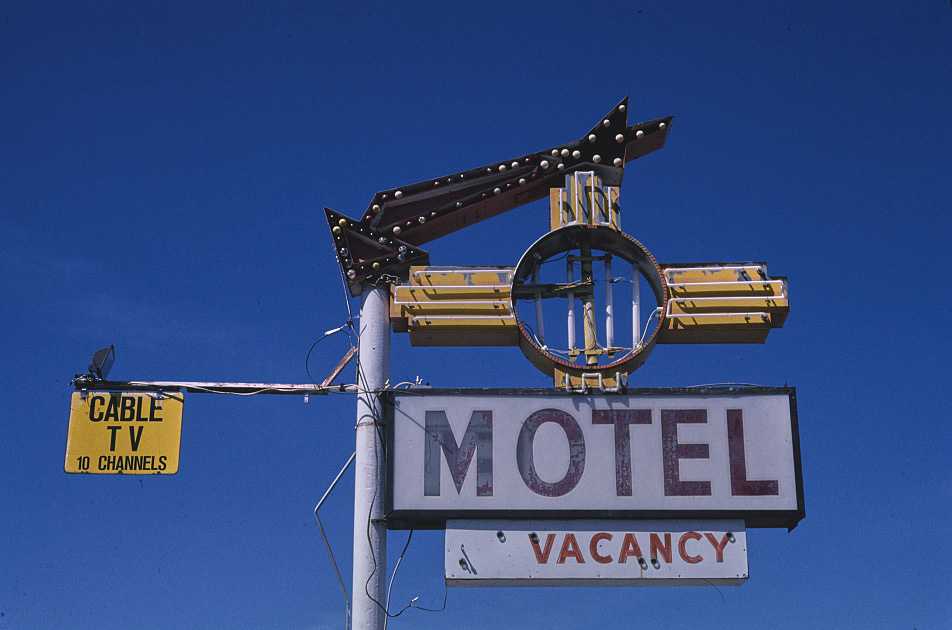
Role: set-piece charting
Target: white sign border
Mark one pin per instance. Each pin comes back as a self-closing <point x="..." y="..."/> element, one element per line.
<point x="491" y="552"/>
<point x="436" y="518"/>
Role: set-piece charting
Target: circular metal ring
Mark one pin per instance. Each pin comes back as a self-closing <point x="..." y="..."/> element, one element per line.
<point x="608" y="240"/>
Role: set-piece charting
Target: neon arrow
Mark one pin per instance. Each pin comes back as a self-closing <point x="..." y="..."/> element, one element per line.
<point x="411" y="215"/>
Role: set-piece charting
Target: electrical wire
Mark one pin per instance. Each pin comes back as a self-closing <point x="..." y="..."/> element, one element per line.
<point x="380" y="442"/>
<point x="562" y="256"/>
<point x="654" y="313"/>
<point x="535" y="338"/>
<point x="392" y="578"/>
<point x="343" y="281"/>
<point x="348" y="327"/>
<point x="440" y="609"/>
<point x="724" y="385"/>
<point x="566" y="354"/>
<point x="373" y="398"/>
<point x="163" y="394"/>
<point x="253" y="393"/>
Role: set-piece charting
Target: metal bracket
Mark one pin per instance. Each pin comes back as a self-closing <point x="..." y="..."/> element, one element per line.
<point x="324" y="535"/>
<point x="621" y="383"/>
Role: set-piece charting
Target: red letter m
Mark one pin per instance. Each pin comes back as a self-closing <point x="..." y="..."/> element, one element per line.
<point x="478" y="440"/>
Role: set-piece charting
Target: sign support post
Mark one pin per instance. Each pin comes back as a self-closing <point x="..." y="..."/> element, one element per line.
<point x="370" y="530"/>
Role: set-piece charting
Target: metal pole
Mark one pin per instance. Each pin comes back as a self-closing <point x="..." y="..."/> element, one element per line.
<point x="588" y="305"/>
<point x="370" y="531"/>
<point x="330" y="553"/>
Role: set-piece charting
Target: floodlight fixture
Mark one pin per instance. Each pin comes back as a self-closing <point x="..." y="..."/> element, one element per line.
<point x="102" y="362"/>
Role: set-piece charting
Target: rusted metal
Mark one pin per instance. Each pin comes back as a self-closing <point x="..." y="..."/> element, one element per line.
<point x="504" y="453"/>
<point x="456" y="306"/>
<point x="722" y="303"/>
<point x="340" y="366"/>
<point x="384" y="241"/>
<point x="574" y="375"/>
<point x="459" y="306"/>
<point x="213" y="387"/>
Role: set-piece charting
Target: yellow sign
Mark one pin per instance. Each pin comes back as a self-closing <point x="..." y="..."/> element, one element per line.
<point x="131" y="433"/>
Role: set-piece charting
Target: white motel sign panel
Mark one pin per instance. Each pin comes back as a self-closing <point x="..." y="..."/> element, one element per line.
<point x="596" y="553"/>
<point x="137" y="433"/>
<point x="716" y="453"/>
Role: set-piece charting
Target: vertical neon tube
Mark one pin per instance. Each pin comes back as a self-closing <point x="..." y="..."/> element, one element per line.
<point x="570" y="278"/>
<point x="635" y="306"/>
<point x="609" y="308"/>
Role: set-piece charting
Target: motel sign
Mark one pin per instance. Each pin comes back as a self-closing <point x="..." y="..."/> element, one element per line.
<point x="586" y="304"/>
<point x="521" y="454"/>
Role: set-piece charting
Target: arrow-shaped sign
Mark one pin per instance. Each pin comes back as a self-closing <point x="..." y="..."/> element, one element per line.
<point x="384" y="240"/>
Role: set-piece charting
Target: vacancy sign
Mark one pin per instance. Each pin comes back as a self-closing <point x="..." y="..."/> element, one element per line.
<point x="595" y="553"/>
<point x="725" y="453"/>
<point x="131" y="433"/>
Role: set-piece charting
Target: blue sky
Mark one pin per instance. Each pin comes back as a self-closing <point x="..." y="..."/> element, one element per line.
<point x="164" y="168"/>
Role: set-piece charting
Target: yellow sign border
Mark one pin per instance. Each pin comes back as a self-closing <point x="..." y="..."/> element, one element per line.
<point x="128" y="433"/>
